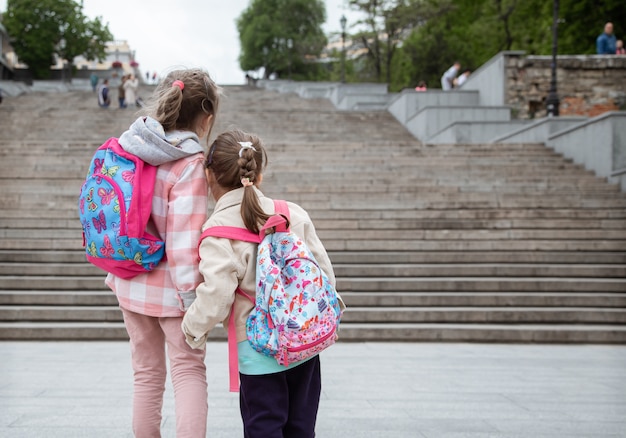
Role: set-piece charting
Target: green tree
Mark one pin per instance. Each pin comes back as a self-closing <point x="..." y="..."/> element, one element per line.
<point x="281" y="36"/>
<point x="41" y="29"/>
<point x="387" y="23"/>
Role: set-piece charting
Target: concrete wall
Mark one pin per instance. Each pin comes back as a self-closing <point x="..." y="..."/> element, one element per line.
<point x="431" y="120"/>
<point x="599" y="144"/>
<point x="476" y="132"/>
<point x="408" y="103"/>
<point x="538" y="131"/>
<point x="489" y="79"/>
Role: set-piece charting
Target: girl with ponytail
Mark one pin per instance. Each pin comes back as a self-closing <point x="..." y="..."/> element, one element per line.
<point x="275" y="401"/>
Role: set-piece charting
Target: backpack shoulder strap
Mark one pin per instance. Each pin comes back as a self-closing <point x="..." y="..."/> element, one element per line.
<point x="281" y="207"/>
<point x="227" y="232"/>
<point x="233" y="355"/>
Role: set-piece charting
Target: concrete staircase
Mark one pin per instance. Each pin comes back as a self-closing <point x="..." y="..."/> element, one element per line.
<point x="448" y="242"/>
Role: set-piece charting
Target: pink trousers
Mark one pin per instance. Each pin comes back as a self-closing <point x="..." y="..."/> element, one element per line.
<point x="148" y="339"/>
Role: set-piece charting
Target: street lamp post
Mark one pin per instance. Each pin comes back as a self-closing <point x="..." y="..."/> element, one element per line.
<point x="289" y="47"/>
<point x="265" y="70"/>
<point x="552" y="101"/>
<point x="343" y="20"/>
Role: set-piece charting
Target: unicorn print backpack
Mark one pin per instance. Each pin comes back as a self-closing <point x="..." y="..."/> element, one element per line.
<point x="297" y="310"/>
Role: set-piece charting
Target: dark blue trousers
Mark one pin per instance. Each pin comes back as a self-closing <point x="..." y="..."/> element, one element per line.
<point x="281" y="405"/>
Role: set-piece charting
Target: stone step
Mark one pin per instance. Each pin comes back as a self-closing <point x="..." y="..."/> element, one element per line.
<point x="64" y="188"/>
<point x="467" y="270"/>
<point x="379" y="202"/>
<point x="356" y="299"/>
<point x="357" y="332"/>
<point x="405" y="314"/>
<point x="386" y="234"/>
<point x="481" y="299"/>
<point x="369" y="284"/>
<point x="518" y="333"/>
<point x="484" y="315"/>
<point x="60" y="313"/>
<point x="445" y="214"/>
<point x="487" y="284"/>
<point x="58" y="298"/>
<point x="49" y="224"/>
<point x="378" y="257"/>
<point x="397" y="270"/>
<point x="538" y="257"/>
<point x="376" y="245"/>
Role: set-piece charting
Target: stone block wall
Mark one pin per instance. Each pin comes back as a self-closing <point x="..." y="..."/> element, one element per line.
<point x="587" y="85"/>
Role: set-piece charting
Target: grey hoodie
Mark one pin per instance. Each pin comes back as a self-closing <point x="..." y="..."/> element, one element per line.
<point x="146" y="139"/>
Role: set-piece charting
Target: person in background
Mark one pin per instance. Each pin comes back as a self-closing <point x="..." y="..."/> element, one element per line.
<point x="421" y="86"/>
<point x="104" y="100"/>
<point x="619" y="48"/>
<point x="458" y="82"/>
<point x="93" y="79"/>
<point x="606" y="42"/>
<point x="121" y="93"/>
<point x="130" y="86"/>
<point x="447" y="80"/>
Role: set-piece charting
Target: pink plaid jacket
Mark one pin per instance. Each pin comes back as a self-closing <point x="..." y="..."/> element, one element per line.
<point x="179" y="208"/>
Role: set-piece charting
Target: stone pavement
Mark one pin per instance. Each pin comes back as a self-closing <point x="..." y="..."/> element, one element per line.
<point x="422" y="390"/>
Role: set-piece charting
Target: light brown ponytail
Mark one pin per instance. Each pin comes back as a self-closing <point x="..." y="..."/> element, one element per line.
<point x="237" y="160"/>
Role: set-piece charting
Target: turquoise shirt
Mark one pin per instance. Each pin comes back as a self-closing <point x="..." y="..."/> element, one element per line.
<point x="253" y="363"/>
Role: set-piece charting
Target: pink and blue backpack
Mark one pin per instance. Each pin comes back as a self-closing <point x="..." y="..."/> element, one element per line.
<point x="114" y="208"/>
<point x="297" y="310"/>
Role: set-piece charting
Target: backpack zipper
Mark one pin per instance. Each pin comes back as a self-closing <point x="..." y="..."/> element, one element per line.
<point x="312" y="344"/>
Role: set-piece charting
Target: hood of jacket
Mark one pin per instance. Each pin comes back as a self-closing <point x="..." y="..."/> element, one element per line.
<point x="147" y="139"/>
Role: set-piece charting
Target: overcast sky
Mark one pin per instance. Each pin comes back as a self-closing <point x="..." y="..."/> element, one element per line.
<point x="187" y="33"/>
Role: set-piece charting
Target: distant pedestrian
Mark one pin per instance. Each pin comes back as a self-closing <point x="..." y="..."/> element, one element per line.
<point x="458" y="82"/>
<point x="153" y="303"/>
<point x="121" y="93"/>
<point x="619" y="48"/>
<point x="421" y="86"/>
<point x="130" y="86"/>
<point x="447" y="80"/>
<point x="93" y="79"/>
<point x="154" y="78"/>
<point x="606" y="43"/>
<point x="147" y="76"/>
<point x="104" y="100"/>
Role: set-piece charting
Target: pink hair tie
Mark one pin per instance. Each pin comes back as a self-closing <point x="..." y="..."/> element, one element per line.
<point x="178" y="84"/>
<point x="246" y="182"/>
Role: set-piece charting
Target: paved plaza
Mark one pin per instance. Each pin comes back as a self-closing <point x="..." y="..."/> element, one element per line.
<point x="422" y="390"/>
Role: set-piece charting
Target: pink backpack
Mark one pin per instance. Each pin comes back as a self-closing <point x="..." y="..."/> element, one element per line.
<point x="297" y="311"/>
<point x="114" y="208"/>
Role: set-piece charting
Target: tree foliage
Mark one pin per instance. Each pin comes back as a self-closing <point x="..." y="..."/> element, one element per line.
<point x="281" y="35"/>
<point x="386" y="25"/>
<point x="41" y="29"/>
<point x="411" y="40"/>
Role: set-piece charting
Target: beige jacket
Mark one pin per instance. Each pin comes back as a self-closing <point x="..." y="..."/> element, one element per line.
<point x="226" y="264"/>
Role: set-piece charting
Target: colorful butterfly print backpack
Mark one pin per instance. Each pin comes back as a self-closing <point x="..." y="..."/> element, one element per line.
<point x="297" y="310"/>
<point x="114" y="208"/>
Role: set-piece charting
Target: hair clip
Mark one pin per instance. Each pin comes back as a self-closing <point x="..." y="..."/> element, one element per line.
<point x="245" y="145"/>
